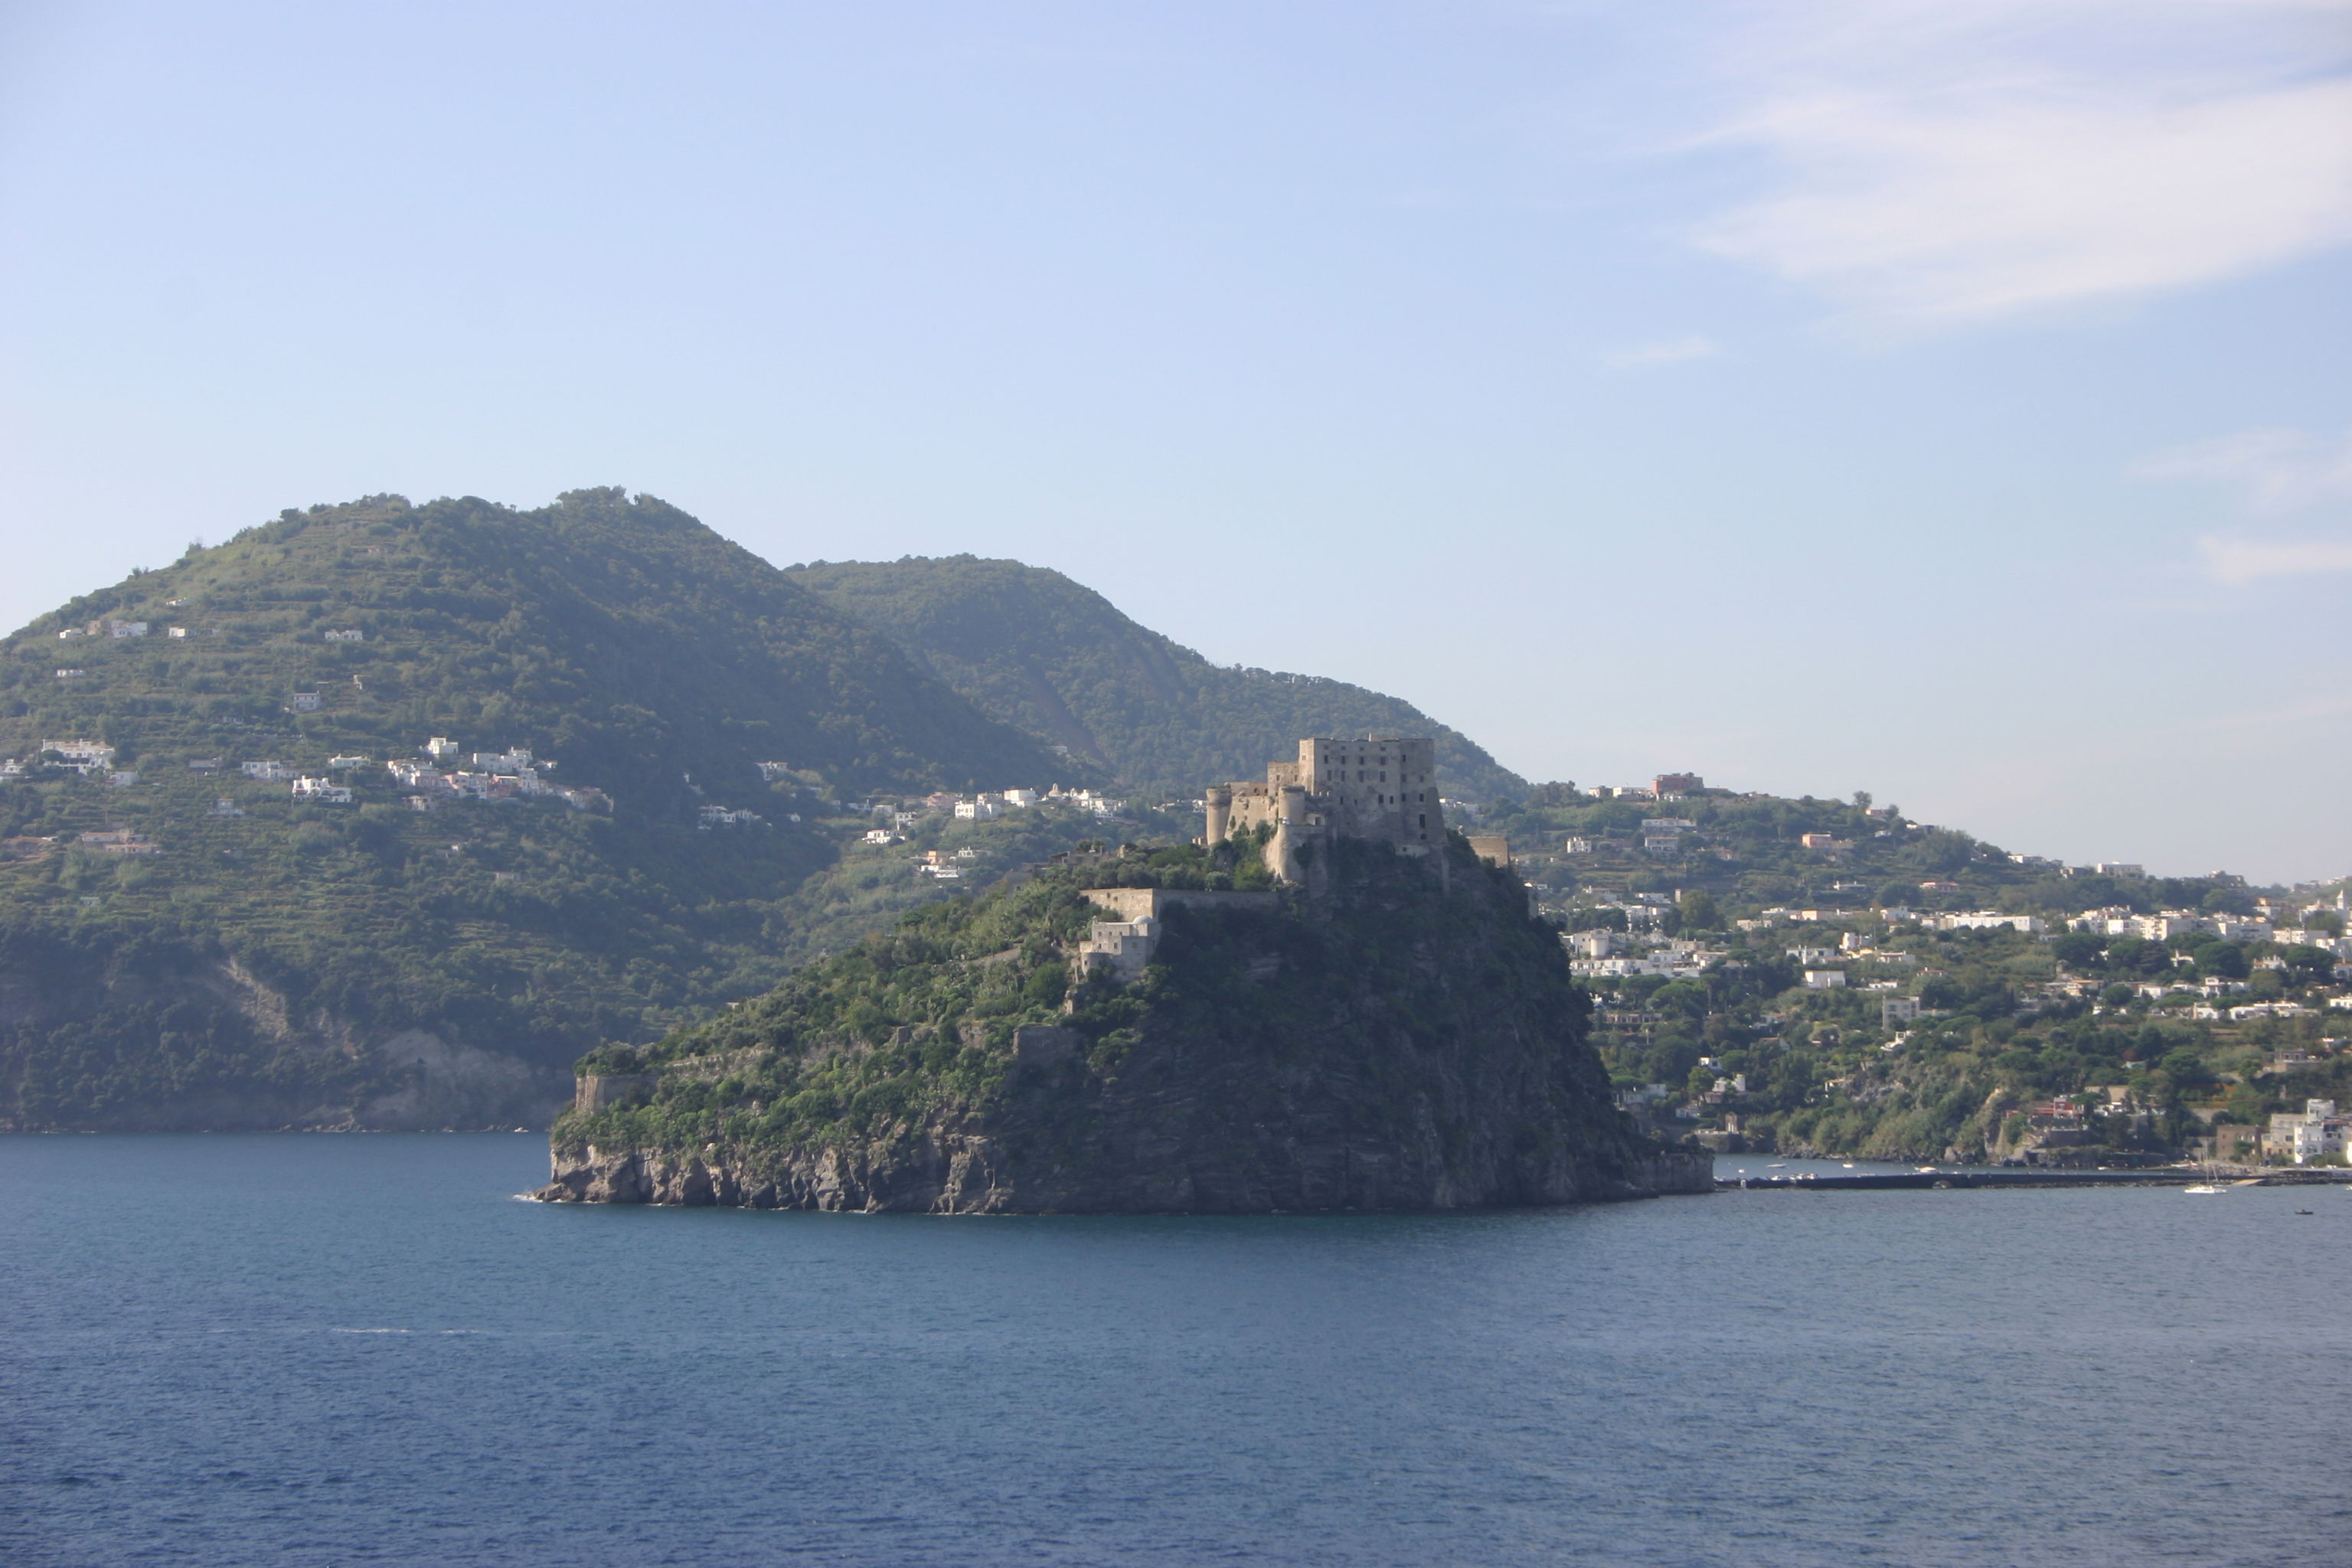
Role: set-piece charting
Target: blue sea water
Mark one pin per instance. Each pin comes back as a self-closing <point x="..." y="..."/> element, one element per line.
<point x="363" y="1350"/>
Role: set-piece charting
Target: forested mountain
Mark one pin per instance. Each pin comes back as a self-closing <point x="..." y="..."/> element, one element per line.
<point x="183" y="944"/>
<point x="1033" y="648"/>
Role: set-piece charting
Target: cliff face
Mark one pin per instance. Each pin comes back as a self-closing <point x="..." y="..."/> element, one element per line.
<point x="1407" y="1042"/>
<point x="101" y="1031"/>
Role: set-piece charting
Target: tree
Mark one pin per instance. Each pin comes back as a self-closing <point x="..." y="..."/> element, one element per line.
<point x="2079" y="949"/>
<point x="2185" y="1069"/>
<point x="1699" y="911"/>
<point x="2138" y="955"/>
<point x="1862" y="800"/>
<point x="2225" y="960"/>
<point x="2310" y="964"/>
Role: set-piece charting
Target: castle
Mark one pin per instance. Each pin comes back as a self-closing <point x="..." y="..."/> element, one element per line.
<point x="1381" y="789"/>
<point x="1385" y="791"/>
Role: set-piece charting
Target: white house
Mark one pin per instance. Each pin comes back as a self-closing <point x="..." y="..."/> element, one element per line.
<point x="2312" y="1133"/>
<point x="321" y="791"/>
<point x="1123" y="947"/>
<point x="1984" y="919"/>
<point x="1824" y="979"/>
<point x="82" y="756"/>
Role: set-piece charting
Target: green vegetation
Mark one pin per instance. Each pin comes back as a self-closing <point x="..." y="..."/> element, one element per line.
<point x="2009" y="1019"/>
<point x="1746" y="851"/>
<point x="1035" y="649"/>
<point x="241" y="973"/>
<point x="1416" y="1041"/>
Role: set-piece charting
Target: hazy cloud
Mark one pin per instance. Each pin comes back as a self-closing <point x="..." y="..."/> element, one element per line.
<point x="2279" y="469"/>
<point x="2241" y="560"/>
<point x="1672" y="351"/>
<point x="1956" y="162"/>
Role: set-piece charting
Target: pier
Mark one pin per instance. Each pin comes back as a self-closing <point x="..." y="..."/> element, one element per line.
<point x="1984" y="1176"/>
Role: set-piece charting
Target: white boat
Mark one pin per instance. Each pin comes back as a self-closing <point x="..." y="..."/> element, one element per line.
<point x="2203" y="1187"/>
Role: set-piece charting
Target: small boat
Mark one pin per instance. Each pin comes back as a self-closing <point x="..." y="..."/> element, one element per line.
<point x="2202" y="1187"/>
<point x="1927" y="1170"/>
<point x="2302" y="1211"/>
<point x="1777" y="1165"/>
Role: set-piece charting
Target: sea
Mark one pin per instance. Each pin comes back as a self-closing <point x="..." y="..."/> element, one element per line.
<point x="371" y="1349"/>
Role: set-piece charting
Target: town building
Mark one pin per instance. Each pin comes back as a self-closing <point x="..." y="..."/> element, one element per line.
<point x="83" y="757"/>
<point x="1983" y="919"/>
<point x="2316" y="1132"/>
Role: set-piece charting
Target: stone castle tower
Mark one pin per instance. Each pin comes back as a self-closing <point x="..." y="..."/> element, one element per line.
<point x="1381" y="789"/>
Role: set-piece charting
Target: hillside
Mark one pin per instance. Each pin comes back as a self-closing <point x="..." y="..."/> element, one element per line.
<point x="1965" y="1001"/>
<point x="1035" y="649"/>
<point x="183" y="944"/>
<point x="1402" y="1043"/>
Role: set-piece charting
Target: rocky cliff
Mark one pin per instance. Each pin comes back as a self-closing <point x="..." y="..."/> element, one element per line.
<point x="1409" y="1041"/>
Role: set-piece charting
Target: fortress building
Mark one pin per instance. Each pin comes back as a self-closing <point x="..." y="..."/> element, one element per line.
<point x="1385" y="791"/>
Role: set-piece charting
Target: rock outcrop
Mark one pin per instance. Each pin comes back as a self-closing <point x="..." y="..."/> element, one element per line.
<point x="1405" y="1042"/>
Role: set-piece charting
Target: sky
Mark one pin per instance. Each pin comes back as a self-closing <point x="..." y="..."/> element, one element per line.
<point x="1943" y="400"/>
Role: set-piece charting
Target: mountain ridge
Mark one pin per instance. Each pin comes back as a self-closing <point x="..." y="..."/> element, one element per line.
<point x="1035" y="648"/>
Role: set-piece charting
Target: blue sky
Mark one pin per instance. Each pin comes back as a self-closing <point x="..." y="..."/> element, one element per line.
<point x="1948" y="401"/>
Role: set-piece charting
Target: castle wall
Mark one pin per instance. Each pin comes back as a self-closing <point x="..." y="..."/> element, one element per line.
<point x="1150" y="903"/>
<point x="1376" y="789"/>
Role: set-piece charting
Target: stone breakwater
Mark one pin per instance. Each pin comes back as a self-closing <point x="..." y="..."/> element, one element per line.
<point x="966" y="1176"/>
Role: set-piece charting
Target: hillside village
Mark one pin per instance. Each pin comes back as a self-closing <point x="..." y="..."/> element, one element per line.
<point x="1831" y="978"/>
